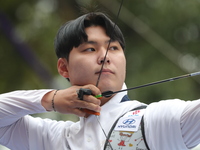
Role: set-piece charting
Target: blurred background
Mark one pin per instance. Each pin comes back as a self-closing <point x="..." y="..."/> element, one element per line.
<point x="162" y="41"/>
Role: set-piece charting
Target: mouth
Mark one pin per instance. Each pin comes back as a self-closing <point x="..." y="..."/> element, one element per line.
<point x="105" y="71"/>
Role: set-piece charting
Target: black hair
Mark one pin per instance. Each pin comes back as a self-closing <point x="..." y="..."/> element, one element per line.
<point x="72" y="33"/>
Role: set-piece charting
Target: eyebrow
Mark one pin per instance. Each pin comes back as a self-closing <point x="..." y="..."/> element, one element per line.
<point x="94" y="42"/>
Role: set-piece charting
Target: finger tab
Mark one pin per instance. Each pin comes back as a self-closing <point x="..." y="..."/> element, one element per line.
<point x="91" y="112"/>
<point x="81" y="92"/>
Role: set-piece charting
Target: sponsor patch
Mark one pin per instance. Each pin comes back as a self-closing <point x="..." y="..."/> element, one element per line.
<point x="130" y="121"/>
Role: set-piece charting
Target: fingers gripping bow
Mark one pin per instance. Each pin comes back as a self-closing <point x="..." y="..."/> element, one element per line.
<point x="81" y="92"/>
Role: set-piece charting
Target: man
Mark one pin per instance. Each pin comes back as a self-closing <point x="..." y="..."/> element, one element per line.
<point x="81" y="45"/>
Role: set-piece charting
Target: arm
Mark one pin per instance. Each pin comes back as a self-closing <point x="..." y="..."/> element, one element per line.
<point x="164" y="125"/>
<point x="190" y="124"/>
<point x="13" y="122"/>
<point x="66" y="101"/>
<point x="17" y="104"/>
<point x="15" y="107"/>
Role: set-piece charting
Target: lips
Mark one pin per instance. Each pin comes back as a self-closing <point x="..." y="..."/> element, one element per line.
<point x="105" y="71"/>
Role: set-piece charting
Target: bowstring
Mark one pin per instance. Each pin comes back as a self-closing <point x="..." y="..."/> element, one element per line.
<point x="97" y="83"/>
<point x="114" y="26"/>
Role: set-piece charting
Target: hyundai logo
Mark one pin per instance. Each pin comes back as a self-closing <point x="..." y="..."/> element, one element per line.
<point x="129" y="121"/>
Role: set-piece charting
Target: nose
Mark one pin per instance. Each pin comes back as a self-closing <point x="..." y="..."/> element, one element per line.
<point x="103" y="58"/>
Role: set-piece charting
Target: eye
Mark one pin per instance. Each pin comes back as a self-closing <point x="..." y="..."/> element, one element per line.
<point x="113" y="48"/>
<point x="89" y="50"/>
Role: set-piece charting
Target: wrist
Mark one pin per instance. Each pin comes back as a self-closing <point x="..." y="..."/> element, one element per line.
<point x="47" y="100"/>
<point x="52" y="101"/>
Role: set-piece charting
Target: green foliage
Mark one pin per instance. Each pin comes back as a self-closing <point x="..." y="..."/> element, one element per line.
<point x="177" y="24"/>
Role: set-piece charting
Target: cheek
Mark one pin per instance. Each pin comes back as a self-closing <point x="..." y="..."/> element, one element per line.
<point x="123" y="69"/>
<point x="121" y="65"/>
<point x="79" y="72"/>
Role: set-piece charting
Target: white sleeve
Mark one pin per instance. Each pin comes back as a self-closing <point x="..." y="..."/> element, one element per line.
<point x="190" y="124"/>
<point x="13" y="122"/>
<point x="163" y="129"/>
<point x="17" y="104"/>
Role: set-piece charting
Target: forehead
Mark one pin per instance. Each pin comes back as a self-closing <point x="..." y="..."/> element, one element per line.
<point x="96" y="32"/>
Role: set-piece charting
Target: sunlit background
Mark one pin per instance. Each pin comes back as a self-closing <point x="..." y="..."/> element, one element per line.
<point x="162" y="39"/>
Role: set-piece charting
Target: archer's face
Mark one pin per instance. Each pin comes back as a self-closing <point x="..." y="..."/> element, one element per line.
<point x="85" y="61"/>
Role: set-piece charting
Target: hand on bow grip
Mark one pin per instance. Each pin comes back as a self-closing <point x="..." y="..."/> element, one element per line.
<point x="81" y="92"/>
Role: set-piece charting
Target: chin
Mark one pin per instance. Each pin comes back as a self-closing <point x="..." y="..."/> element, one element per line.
<point x="106" y="87"/>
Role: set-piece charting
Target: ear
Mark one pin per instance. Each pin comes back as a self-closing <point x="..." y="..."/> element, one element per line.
<point x="62" y="66"/>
